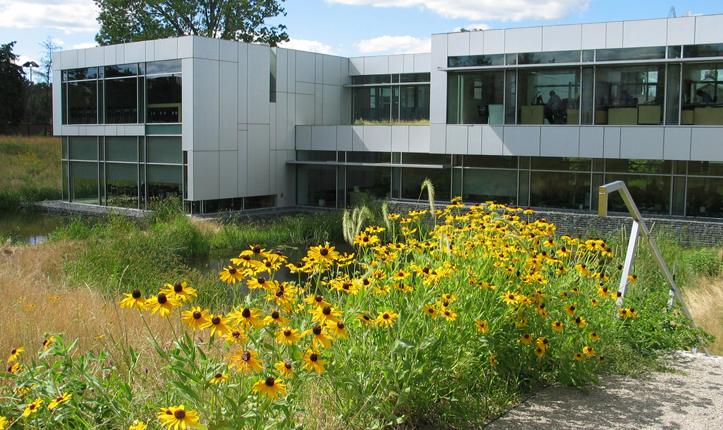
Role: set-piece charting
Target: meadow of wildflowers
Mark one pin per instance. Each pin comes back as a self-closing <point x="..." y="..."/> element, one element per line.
<point x="437" y="318"/>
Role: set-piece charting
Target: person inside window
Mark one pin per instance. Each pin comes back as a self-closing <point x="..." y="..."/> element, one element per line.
<point x="553" y="107"/>
<point x="704" y="97"/>
<point x="625" y="99"/>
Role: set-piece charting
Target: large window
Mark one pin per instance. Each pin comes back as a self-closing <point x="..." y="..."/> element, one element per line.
<point x="629" y="95"/>
<point x="548" y="96"/>
<point x="400" y="99"/>
<point x="476" y="98"/>
<point x="702" y="94"/>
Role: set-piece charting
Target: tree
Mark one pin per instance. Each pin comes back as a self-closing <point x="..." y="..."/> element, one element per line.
<point x="133" y="20"/>
<point x="12" y="83"/>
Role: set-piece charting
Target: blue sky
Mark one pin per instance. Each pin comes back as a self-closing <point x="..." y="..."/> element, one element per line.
<point x="349" y="27"/>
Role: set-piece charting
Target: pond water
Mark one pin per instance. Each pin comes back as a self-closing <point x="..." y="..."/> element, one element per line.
<point x="29" y="227"/>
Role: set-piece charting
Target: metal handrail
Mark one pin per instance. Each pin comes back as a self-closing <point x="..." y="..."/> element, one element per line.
<point x="639" y="228"/>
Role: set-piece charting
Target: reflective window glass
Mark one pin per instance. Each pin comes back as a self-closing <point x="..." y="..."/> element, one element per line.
<point x="164" y="149"/>
<point x="168" y="66"/>
<point x="82" y="102"/>
<point x="629" y="95"/>
<point x="83" y="182"/>
<point x="651" y="194"/>
<point x="705" y="197"/>
<point x="490" y="185"/>
<point x="412" y="180"/>
<point x="121" y="148"/>
<point x="622" y="54"/>
<point x="83" y="147"/>
<point x="476" y="98"/>
<point x="121" y="101"/>
<point x="476" y="60"/>
<point x="560" y="190"/>
<point x="164" y="181"/>
<point x="702" y="94"/>
<point x="164" y="99"/>
<point x="548" y="96"/>
<point x="549" y="57"/>
<point x="122" y="70"/>
<point x="122" y="185"/>
<point x="696" y="51"/>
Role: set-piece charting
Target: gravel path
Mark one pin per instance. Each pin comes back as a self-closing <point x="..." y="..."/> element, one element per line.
<point x="689" y="397"/>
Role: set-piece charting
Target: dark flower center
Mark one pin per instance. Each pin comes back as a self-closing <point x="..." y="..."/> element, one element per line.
<point x="542" y="306"/>
<point x="168" y="412"/>
<point x="13" y="351"/>
<point x="267" y="264"/>
<point x="583" y="266"/>
<point x="246" y="257"/>
<point x="425" y="270"/>
<point x="270" y="381"/>
<point x="319" y="298"/>
<point x="245" y="356"/>
<point x="162" y="298"/>
<point x="324" y="252"/>
<point x="275" y="315"/>
<point x="365" y="239"/>
<point x="578" y="320"/>
<point x="218" y="376"/>
<point x="197" y="315"/>
<point x="59" y="399"/>
<point x="136" y="294"/>
<point x="572" y="308"/>
<point x="261" y="280"/>
<point x="246" y="313"/>
<point x="257" y="249"/>
<point x="313" y="357"/>
<point x="431" y="310"/>
<point x="232" y="270"/>
<point x="216" y="320"/>
<point x="287" y="366"/>
<point x="385" y="316"/>
<point x="316" y="330"/>
<point x="236" y="334"/>
<point x="178" y="287"/>
<point x="299" y="265"/>
<point x="31" y="406"/>
<point x="326" y="310"/>
<point x="346" y="285"/>
<point x="179" y="414"/>
<point x="366" y="282"/>
<point x="287" y="332"/>
<point x="445" y="304"/>
<point x="340" y="325"/>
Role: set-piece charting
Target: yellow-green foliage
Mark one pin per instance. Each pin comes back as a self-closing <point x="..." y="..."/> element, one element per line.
<point x="29" y="161"/>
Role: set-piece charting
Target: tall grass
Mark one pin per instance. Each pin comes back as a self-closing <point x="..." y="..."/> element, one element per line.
<point x="31" y="170"/>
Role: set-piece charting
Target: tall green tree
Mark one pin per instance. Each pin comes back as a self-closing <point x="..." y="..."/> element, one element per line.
<point x="12" y="83"/>
<point x="133" y="20"/>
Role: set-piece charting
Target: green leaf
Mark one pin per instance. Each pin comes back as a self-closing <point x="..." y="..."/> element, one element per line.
<point x="186" y="391"/>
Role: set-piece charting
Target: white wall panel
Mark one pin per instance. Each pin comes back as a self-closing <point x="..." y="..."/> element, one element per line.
<point x="611" y="142"/>
<point x="400" y="138"/>
<point x="474" y="140"/>
<point x="458" y="44"/>
<point x="228" y="169"/>
<point x="438" y="89"/>
<point x="356" y="66"/>
<point x="187" y="100"/>
<point x="81" y="58"/>
<point x="344" y="72"/>
<point x="419" y="139"/>
<point x="650" y="32"/>
<point x="135" y="130"/>
<point x="707" y="144"/>
<point x="272" y="126"/>
<point x="522" y="141"/>
<point x="291" y="110"/>
<point x="228" y="50"/>
<point x="150" y="50"/>
<point x="708" y="29"/>
<point x="318" y="104"/>
<point x="562" y="38"/>
<point x="303" y="137"/>
<point x="378" y="138"/>
<point x="396" y="64"/>
<point x="111" y="130"/>
<point x="493" y="140"/>
<point x="258" y="89"/>
<point x="523" y="39"/>
<point x="344" y="138"/>
<point x="205" y="47"/>
<point x="108" y="55"/>
<point x="641" y="142"/>
<point x="332" y="70"/>
<point x="284" y="131"/>
<point x="476" y="42"/>
<point x="95" y="130"/>
<point x="259" y="174"/>
<point x="57" y="99"/>
<point x="357" y="138"/>
<point x="166" y="49"/>
<point x="438" y="138"/>
<point x="291" y="70"/>
<point x="228" y="105"/>
<point x="120" y="56"/>
<point x="332" y="105"/>
<point x="95" y="57"/>
<point x="456" y="139"/>
<point x="408" y="63"/>
<point x="206" y="180"/>
<point x="272" y="171"/>
<point x="69" y="59"/>
<point x="422" y="63"/>
<point x="305" y="88"/>
<point x="243" y="84"/>
<point x="282" y="70"/>
<point x="319" y="78"/>
<point x="305" y="67"/>
<point x="614" y="35"/>
<point x="243" y="161"/>
<point x="135" y="52"/>
<point x="376" y="65"/>
<point x="591" y="142"/>
<point x="559" y="141"/>
<point x="676" y="144"/>
<point x="323" y="138"/>
<point x="494" y="42"/>
<point x="593" y="36"/>
<point x="206" y="105"/>
<point x="681" y="31"/>
<point x="185" y="46"/>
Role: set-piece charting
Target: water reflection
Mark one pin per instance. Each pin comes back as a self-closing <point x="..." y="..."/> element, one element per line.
<point x="30" y="228"/>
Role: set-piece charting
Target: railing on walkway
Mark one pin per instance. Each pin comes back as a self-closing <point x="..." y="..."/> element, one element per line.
<point x="639" y="228"/>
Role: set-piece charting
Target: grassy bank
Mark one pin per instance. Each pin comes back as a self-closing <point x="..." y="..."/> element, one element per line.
<point x="31" y="170"/>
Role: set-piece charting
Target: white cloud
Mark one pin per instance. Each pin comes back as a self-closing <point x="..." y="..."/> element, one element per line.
<point x="85" y="45"/>
<point x="70" y="16"/>
<point x="22" y="59"/>
<point x="395" y="45"/>
<point x="473" y="27"/>
<point x="307" y="45"/>
<point x="487" y="10"/>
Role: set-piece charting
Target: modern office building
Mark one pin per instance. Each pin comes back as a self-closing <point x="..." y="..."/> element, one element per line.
<point x="537" y="116"/>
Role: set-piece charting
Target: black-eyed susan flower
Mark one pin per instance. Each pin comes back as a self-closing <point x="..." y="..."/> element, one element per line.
<point x="627" y="313"/>
<point x="493" y="360"/>
<point x="510" y="298"/>
<point x="337" y="329"/>
<point x="244" y="361"/>
<point x="218" y="324"/>
<point x="580" y="322"/>
<point x="593" y="335"/>
<point x="540" y="351"/>
<point x="138" y="426"/>
<point x="526" y="339"/>
<point x="180" y="291"/>
<point x="232" y="275"/>
<point x="603" y="291"/>
<point x="134" y="299"/>
<point x="235" y="337"/>
<point x="570" y="310"/>
<point x="557" y="325"/>
<point x="275" y="317"/>
<point x="386" y="319"/>
<point x="589" y="351"/>
<point x="48" y="343"/>
<point x="59" y="400"/>
<point x="285" y="368"/>
<point x="15" y="353"/>
<point x="195" y="318"/>
<point x="430" y="310"/>
<point x="162" y="304"/>
<point x="246" y="318"/>
<point x="364" y="239"/>
<point x="271" y="387"/>
<point x="287" y="336"/>
<point x="320" y="336"/>
<point x="594" y="302"/>
<point x="256" y="252"/>
<point x="448" y="314"/>
<point x="364" y="318"/>
<point x="32" y="408"/>
<point x="15" y="368"/>
<point x="313" y="361"/>
<point x="578" y="356"/>
<point x="324" y="314"/>
<point x="316" y="300"/>
<point x="218" y="378"/>
<point x="482" y="326"/>
<point x="177" y="417"/>
<point x="542" y="342"/>
<point x="325" y="254"/>
<point x="633" y="279"/>
<point x="3" y="423"/>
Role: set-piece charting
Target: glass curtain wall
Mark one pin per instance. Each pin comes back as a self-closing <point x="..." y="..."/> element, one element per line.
<point x="475" y="98"/>
<point x="629" y="95"/>
<point x="548" y="96"/>
<point x="702" y="94"/>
